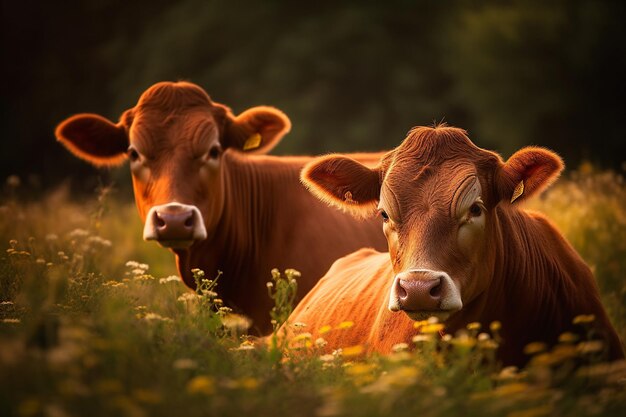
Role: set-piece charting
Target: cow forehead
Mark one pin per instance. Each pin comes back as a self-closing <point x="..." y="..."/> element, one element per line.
<point x="419" y="188"/>
<point x="157" y="132"/>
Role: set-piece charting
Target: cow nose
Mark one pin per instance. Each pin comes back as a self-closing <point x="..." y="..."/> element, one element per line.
<point x="174" y="225"/>
<point x="419" y="291"/>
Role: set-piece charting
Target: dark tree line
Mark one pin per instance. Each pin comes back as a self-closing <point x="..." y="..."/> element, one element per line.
<point x="351" y="75"/>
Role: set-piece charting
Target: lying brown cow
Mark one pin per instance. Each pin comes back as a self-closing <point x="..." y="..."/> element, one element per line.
<point x="461" y="248"/>
<point x="205" y="190"/>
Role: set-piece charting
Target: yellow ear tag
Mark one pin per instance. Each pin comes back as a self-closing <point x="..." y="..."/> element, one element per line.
<point x="253" y="142"/>
<point x="519" y="190"/>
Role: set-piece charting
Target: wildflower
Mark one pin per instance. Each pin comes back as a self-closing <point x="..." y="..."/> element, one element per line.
<point x="249" y="383"/>
<point x="184" y="363"/>
<point x="269" y="285"/>
<point x="324" y="329"/>
<point x="236" y="322"/>
<point x="432" y="328"/>
<point x="568" y="337"/>
<point x="535" y="347"/>
<point x="400" y="347"/>
<point x="495" y="326"/>
<point x="298" y="325"/>
<point x="11" y="321"/>
<point x="137" y="265"/>
<point x="41" y="261"/>
<point x="351" y="351"/>
<point x="155" y="317"/>
<point x="360" y="369"/>
<point x="78" y="233"/>
<point x="6" y="303"/>
<point x="327" y="358"/>
<point x="113" y="284"/>
<point x="201" y="385"/>
<point x="188" y="296"/>
<point x="422" y="338"/>
<point x="345" y="325"/>
<point x="301" y="337"/>
<point x="245" y="345"/>
<point x="590" y="346"/>
<point x="483" y="337"/>
<point x="51" y="237"/>
<point x="171" y="278"/>
<point x="433" y="320"/>
<point x="420" y="323"/>
<point x="584" y="318"/>
<point x="97" y="240"/>
<point x="473" y="326"/>
<point x="463" y="340"/>
<point x="320" y="342"/>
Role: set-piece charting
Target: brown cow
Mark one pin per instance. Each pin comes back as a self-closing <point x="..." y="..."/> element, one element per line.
<point x="460" y="246"/>
<point x="205" y="190"/>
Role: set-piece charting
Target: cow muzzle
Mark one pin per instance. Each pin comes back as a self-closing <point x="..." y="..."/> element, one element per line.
<point x="174" y="225"/>
<point x="422" y="293"/>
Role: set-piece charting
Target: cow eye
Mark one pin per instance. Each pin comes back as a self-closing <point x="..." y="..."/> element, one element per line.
<point x="215" y="152"/>
<point x="133" y="155"/>
<point x="475" y="210"/>
<point x="384" y="215"/>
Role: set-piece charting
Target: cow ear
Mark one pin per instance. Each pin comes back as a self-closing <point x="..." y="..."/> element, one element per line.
<point x="257" y="130"/>
<point x="528" y="172"/>
<point x="94" y="139"/>
<point x="344" y="183"/>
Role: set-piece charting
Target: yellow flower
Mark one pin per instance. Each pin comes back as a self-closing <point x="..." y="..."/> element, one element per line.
<point x="432" y="328"/>
<point x="352" y="351"/>
<point x="345" y="325"/>
<point x="584" y="318"/>
<point x="360" y="369"/>
<point x="249" y="383"/>
<point x="495" y="326"/>
<point x="535" y="347"/>
<point x="201" y="384"/>
<point x="473" y="326"/>
<point x="301" y="336"/>
<point x="568" y="337"/>
<point x="420" y="323"/>
<point x="324" y="329"/>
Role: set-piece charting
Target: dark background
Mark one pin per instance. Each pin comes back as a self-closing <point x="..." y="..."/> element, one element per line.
<point x="350" y="75"/>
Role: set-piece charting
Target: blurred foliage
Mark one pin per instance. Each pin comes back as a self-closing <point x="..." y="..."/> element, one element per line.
<point x="352" y="75"/>
<point x="93" y="322"/>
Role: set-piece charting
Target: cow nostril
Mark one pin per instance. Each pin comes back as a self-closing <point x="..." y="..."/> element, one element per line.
<point x="189" y="221"/>
<point x="402" y="292"/>
<point x="435" y="291"/>
<point x="159" y="221"/>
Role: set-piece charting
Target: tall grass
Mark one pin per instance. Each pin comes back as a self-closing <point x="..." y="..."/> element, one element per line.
<point x="93" y="321"/>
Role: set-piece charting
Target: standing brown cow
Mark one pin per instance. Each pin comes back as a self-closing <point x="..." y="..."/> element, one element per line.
<point x="205" y="190"/>
<point x="460" y="246"/>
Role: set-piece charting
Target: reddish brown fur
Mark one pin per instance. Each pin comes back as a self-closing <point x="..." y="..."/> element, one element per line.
<point x="257" y="214"/>
<point x="517" y="268"/>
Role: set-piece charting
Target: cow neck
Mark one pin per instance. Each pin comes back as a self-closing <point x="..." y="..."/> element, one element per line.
<point x="538" y="279"/>
<point x="247" y="223"/>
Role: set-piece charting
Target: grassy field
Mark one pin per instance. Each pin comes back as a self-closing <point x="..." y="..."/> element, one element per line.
<point x="94" y="322"/>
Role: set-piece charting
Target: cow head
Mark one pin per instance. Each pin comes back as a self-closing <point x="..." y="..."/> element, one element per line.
<point x="437" y="195"/>
<point x="176" y="140"/>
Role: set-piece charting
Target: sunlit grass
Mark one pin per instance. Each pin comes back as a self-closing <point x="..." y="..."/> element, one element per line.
<point x="93" y="321"/>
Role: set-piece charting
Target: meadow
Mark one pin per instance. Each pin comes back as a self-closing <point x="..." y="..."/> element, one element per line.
<point x="95" y="322"/>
